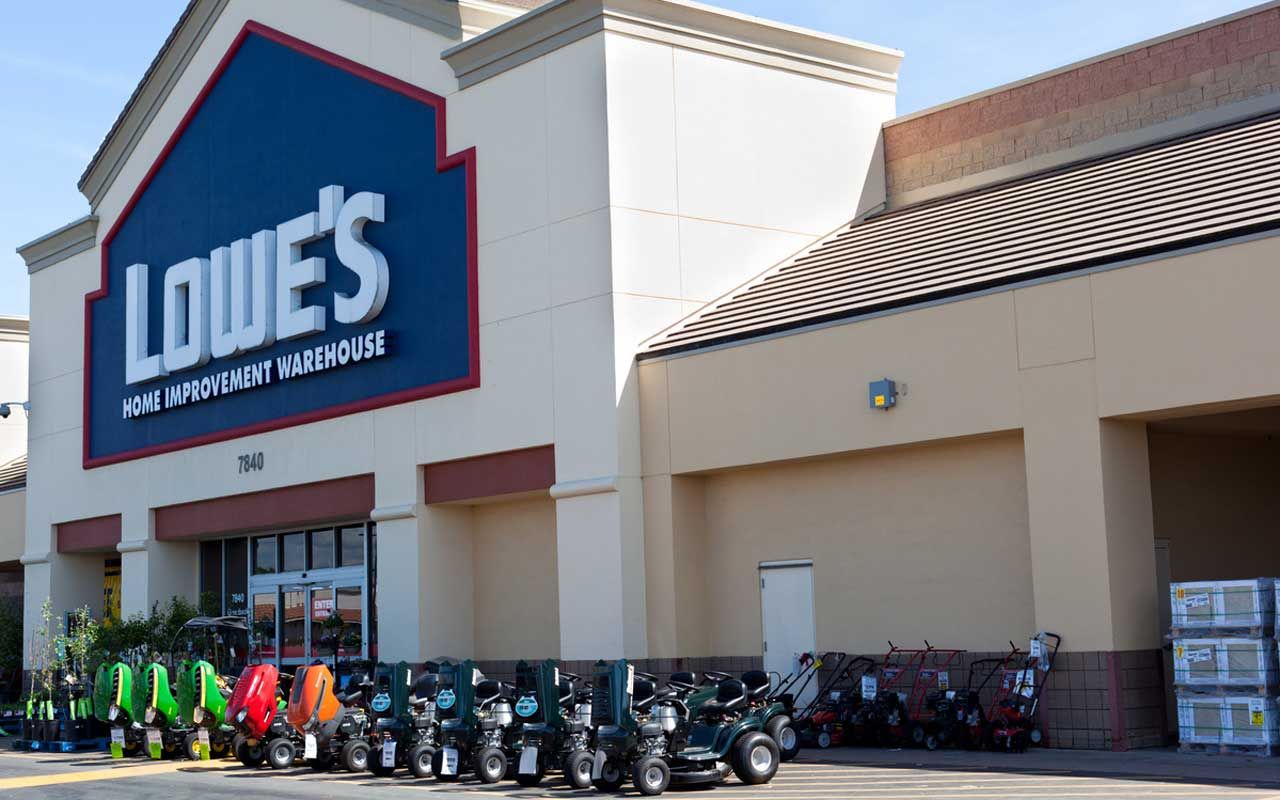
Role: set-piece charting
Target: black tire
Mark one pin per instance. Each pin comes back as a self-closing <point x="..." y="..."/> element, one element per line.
<point x="355" y="756"/>
<point x="917" y="734"/>
<point x="823" y="740"/>
<point x="376" y="767"/>
<point x="755" y="758"/>
<point x="490" y="765"/>
<point x="251" y="755"/>
<point x="611" y="776"/>
<point x="323" y="762"/>
<point x="530" y="779"/>
<point x="281" y="753"/>
<point x="784" y="735"/>
<point x="650" y="775"/>
<point x="577" y="769"/>
<point x="189" y="746"/>
<point x="1035" y="736"/>
<point x="437" y="767"/>
<point x="931" y="741"/>
<point x="420" y="759"/>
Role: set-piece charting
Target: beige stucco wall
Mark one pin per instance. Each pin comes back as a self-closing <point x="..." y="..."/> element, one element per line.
<point x="1216" y="502"/>
<point x="516" y="584"/>
<point x="907" y="544"/>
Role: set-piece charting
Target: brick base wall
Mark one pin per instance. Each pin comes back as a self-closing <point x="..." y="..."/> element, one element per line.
<point x="1201" y="70"/>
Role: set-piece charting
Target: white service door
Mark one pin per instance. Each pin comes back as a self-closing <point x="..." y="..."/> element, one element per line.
<point x="786" y="602"/>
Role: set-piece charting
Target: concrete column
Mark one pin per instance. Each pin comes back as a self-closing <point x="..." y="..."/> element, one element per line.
<point x="69" y="581"/>
<point x="675" y="563"/>
<point x="153" y="571"/>
<point x="425" y="579"/>
<point x="1089" y="498"/>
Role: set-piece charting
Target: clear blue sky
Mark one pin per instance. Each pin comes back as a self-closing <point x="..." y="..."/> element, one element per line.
<point x="67" y="67"/>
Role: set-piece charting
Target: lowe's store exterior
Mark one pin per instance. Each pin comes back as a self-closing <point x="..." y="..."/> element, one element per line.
<point x="602" y="328"/>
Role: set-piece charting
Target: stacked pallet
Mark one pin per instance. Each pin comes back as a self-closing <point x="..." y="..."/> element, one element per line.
<point x="1225" y="666"/>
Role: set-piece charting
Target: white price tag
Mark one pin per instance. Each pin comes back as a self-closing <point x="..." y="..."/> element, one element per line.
<point x="528" y="761"/>
<point x="1037" y="648"/>
<point x="449" y="761"/>
<point x="153" y="735"/>
<point x="869" y="687"/>
<point x="944" y="680"/>
<point x="1257" y="712"/>
<point x="389" y="753"/>
<point x="117" y="735"/>
<point x="309" y="747"/>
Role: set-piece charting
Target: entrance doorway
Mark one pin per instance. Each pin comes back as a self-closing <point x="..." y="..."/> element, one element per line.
<point x="786" y="605"/>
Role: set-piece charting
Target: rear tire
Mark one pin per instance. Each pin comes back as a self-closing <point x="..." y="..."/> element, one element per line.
<point x="755" y="758"/>
<point x="931" y="742"/>
<point x="280" y="753"/>
<point x="784" y="735"/>
<point x="650" y="775"/>
<point x="189" y="744"/>
<point x="532" y="778"/>
<point x="420" y="759"/>
<point x="824" y="740"/>
<point x="437" y="767"/>
<point x="251" y="755"/>
<point x="355" y="756"/>
<point x="376" y="767"/>
<point x="490" y="765"/>
<point x="917" y="734"/>
<point x="611" y="776"/>
<point x="577" y="769"/>
<point x="321" y="763"/>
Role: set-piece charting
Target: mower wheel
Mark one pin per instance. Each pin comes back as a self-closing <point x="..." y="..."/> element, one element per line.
<point x="490" y="765"/>
<point x="190" y="745"/>
<point x="577" y="769"/>
<point x="755" y="758"/>
<point x="376" y="767"/>
<point x="824" y="740"/>
<point x="651" y="775"/>
<point x="917" y="734"/>
<point x="420" y="760"/>
<point x="251" y="755"/>
<point x="1036" y="736"/>
<point x="437" y="767"/>
<point x="531" y="778"/>
<point x="323" y="762"/>
<point x="355" y="755"/>
<point x="611" y="776"/>
<point x="784" y="735"/>
<point x="931" y="741"/>
<point x="280" y="753"/>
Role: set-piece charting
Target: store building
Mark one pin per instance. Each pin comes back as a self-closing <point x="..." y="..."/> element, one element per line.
<point x="592" y="366"/>
<point x="14" y="336"/>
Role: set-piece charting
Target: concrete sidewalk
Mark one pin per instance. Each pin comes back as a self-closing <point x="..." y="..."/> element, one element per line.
<point x="1138" y="765"/>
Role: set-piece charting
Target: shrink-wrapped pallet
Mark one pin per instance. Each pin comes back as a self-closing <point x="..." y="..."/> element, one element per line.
<point x="1241" y="721"/>
<point x="1223" y="604"/>
<point x="1224" y="662"/>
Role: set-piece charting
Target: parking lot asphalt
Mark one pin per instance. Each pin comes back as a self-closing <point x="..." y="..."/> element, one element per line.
<point x="93" y="775"/>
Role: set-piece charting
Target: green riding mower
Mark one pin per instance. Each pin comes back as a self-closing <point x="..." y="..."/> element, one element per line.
<point x="123" y="686"/>
<point x="394" y="733"/>
<point x="773" y="707"/>
<point x="653" y="735"/>
<point x="552" y="736"/>
<point x="202" y="699"/>
<point x="475" y="725"/>
<point x="165" y="729"/>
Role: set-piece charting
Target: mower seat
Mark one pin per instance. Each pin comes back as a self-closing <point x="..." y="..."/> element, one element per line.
<point x="757" y="683"/>
<point x="424" y="688"/>
<point x="643" y="693"/>
<point x="683" y="682"/>
<point x="731" y="694"/>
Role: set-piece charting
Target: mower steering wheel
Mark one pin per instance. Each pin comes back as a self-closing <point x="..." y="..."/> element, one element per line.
<point x="716" y="677"/>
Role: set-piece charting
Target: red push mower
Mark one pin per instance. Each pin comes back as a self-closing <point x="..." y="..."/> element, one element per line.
<point x="880" y="720"/>
<point x="829" y="717"/>
<point x="959" y="716"/>
<point x="1015" y="721"/>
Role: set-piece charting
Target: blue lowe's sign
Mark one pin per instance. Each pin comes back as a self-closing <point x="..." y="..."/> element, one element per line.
<point x="302" y="248"/>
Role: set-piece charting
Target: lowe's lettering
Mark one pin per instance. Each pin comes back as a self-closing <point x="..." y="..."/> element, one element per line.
<point x="248" y="295"/>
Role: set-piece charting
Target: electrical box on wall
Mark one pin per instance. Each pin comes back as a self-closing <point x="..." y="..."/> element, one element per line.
<point x="883" y="394"/>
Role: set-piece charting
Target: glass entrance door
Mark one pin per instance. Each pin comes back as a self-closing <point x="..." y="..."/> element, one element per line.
<point x="297" y="622"/>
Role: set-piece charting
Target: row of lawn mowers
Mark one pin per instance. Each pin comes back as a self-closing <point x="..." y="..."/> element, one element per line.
<point x="907" y="698"/>
<point x="449" y="721"/>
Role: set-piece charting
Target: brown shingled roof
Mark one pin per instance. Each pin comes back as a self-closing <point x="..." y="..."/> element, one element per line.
<point x="1202" y="188"/>
<point x="13" y="475"/>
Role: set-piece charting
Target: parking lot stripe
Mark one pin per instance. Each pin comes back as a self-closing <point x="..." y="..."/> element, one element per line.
<point x="107" y="774"/>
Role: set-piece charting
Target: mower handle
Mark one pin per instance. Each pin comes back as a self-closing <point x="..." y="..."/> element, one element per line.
<point x="716" y="677"/>
<point x="571" y="676"/>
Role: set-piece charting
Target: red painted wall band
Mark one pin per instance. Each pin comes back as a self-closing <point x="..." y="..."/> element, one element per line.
<point x="306" y="504"/>
<point x="93" y="535"/>
<point x="1115" y="702"/>
<point x="508" y="472"/>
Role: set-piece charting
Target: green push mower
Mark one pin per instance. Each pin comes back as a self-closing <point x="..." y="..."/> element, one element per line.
<point x="551" y="735"/>
<point x="653" y="735"/>
<point x="475" y="725"/>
